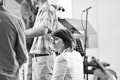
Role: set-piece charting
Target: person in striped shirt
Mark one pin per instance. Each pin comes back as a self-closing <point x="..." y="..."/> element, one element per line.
<point x="46" y="21"/>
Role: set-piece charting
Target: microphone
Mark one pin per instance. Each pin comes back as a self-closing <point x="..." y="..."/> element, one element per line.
<point x="61" y="8"/>
<point x="87" y="9"/>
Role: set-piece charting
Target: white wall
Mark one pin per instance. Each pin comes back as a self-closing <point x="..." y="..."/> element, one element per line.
<point x="109" y="32"/>
<point x="68" y="8"/>
<point x="80" y="5"/>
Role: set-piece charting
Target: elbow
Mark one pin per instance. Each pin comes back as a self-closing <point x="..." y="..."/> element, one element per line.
<point x="45" y="31"/>
<point x="26" y="34"/>
<point x="30" y="33"/>
<point x="41" y="32"/>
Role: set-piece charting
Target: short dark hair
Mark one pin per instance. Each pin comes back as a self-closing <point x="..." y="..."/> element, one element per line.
<point x="66" y="36"/>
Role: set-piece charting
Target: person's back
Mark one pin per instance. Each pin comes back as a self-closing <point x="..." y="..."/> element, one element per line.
<point x="12" y="45"/>
<point x="75" y="65"/>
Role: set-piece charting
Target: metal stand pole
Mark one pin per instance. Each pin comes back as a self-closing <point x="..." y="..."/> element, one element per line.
<point x="85" y="57"/>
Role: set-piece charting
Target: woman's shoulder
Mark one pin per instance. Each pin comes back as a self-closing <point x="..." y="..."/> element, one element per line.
<point x="60" y="57"/>
<point x="77" y="53"/>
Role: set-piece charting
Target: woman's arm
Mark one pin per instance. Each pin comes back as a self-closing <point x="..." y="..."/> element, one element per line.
<point x="60" y="68"/>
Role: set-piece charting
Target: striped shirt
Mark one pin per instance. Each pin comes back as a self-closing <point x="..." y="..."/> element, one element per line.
<point x="46" y="17"/>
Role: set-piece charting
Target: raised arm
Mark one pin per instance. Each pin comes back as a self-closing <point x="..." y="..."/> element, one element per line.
<point x="41" y="26"/>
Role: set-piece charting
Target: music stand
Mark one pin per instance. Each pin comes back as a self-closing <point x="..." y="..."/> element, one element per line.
<point x="68" y="25"/>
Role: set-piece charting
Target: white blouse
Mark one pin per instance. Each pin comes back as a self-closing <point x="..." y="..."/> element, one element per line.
<point x="68" y="66"/>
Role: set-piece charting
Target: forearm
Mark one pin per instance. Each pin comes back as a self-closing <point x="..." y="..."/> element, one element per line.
<point x="35" y="32"/>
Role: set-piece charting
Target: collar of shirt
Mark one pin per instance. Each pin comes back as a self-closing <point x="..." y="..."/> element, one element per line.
<point x="67" y="50"/>
<point x="44" y="4"/>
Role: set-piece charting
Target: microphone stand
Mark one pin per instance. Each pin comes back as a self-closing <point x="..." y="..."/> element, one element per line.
<point x="85" y="57"/>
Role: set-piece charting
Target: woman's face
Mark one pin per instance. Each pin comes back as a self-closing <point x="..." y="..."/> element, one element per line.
<point x="57" y="43"/>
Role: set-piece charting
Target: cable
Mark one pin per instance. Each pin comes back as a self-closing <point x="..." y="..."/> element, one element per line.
<point x="85" y="57"/>
<point x="82" y="20"/>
